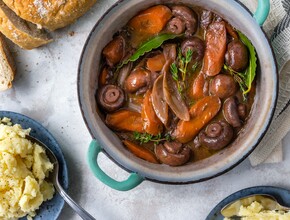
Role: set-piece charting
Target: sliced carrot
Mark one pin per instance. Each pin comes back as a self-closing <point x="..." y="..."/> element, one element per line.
<point x="216" y="43"/>
<point x="201" y="113"/>
<point x="104" y="76"/>
<point x="231" y="31"/>
<point x="141" y="152"/>
<point x="125" y="120"/>
<point x="156" y="63"/>
<point x="152" y="124"/>
<point x="198" y="86"/>
<point x="152" y="20"/>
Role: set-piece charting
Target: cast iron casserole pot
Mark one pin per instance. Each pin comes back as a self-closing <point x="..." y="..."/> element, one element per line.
<point x="107" y="142"/>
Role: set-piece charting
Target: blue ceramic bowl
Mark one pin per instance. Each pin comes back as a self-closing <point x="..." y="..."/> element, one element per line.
<point x="282" y="196"/>
<point x="51" y="209"/>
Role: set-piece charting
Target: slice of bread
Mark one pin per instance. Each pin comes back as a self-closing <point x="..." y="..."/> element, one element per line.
<point x="23" y="33"/>
<point x="50" y="14"/>
<point x="7" y="67"/>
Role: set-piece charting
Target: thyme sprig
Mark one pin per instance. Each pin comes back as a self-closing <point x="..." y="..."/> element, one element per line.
<point x="184" y="61"/>
<point x="239" y="78"/>
<point x="182" y="68"/>
<point x="174" y="73"/>
<point x="144" y="138"/>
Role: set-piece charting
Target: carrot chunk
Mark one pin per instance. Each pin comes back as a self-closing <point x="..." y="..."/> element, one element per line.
<point x="216" y="43"/>
<point x="156" y="63"/>
<point x="140" y="152"/>
<point x="201" y="113"/>
<point x="125" y="120"/>
<point x="152" y="20"/>
<point x="198" y="86"/>
<point x="152" y="124"/>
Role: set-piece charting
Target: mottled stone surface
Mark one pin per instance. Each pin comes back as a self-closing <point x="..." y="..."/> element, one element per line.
<point x="45" y="89"/>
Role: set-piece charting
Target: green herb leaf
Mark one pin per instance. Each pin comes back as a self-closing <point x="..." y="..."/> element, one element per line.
<point x="188" y="57"/>
<point x="144" y="138"/>
<point x="194" y="66"/>
<point x="148" y="46"/>
<point x="239" y="78"/>
<point x="174" y="71"/>
<point x="251" y="70"/>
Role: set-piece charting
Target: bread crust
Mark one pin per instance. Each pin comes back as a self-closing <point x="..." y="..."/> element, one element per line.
<point x="7" y="77"/>
<point x="50" y="14"/>
<point x="22" y="38"/>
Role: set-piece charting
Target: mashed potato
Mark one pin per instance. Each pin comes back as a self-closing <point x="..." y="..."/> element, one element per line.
<point x="23" y="168"/>
<point x="256" y="211"/>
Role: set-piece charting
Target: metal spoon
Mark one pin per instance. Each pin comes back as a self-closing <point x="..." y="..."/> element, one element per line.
<point x="267" y="201"/>
<point x="54" y="176"/>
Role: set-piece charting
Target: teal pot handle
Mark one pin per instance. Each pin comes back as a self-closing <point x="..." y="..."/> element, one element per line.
<point x="133" y="180"/>
<point x="262" y="11"/>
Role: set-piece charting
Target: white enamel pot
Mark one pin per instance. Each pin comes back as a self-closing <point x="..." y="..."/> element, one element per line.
<point x="104" y="140"/>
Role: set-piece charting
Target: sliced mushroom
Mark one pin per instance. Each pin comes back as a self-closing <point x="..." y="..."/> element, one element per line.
<point x="189" y="16"/>
<point x="216" y="135"/>
<point x="172" y="153"/>
<point x="158" y="101"/>
<point x="172" y="96"/>
<point x="111" y="97"/>
<point x="231" y="113"/>
<point x="176" y="25"/>
<point x="196" y="45"/>
<point x="223" y="86"/>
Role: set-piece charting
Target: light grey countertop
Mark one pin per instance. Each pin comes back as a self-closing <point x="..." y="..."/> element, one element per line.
<point x="45" y="89"/>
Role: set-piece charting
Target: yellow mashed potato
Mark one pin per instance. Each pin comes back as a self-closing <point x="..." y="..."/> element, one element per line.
<point x="23" y="168"/>
<point x="256" y="211"/>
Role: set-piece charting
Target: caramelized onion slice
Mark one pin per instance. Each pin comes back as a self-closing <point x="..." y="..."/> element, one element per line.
<point x="160" y="106"/>
<point x="172" y="96"/>
<point x="124" y="73"/>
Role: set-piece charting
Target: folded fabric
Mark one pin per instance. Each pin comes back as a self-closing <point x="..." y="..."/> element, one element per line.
<point x="277" y="27"/>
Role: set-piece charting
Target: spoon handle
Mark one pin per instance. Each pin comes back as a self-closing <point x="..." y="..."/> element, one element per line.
<point x="77" y="208"/>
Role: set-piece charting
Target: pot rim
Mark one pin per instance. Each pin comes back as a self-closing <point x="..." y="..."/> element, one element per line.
<point x="266" y="127"/>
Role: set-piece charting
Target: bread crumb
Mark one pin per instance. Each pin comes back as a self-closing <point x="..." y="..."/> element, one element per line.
<point x="71" y="33"/>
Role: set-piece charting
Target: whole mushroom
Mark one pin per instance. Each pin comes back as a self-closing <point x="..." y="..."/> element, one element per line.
<point x="172" y="153"/>
<point x="237" y="55"/>
<point x="188" y="16"/>
<point x="139" y="79"/>
<point x="216" y="135"/>
<point x="196" y="45"/>
<point x="111" y="97"/>
<point x="223" y="86"/>
<point x="176" y="25"/>
<point x="231" y="112"/>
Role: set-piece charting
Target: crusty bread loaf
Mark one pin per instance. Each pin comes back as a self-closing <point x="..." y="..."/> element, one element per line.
<point x="7" y="67"/>
<point x="24" y="34"/>
<point x="50" y="14"/>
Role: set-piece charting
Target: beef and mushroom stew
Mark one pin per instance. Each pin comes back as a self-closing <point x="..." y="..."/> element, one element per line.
<point x="177" y="84"/>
